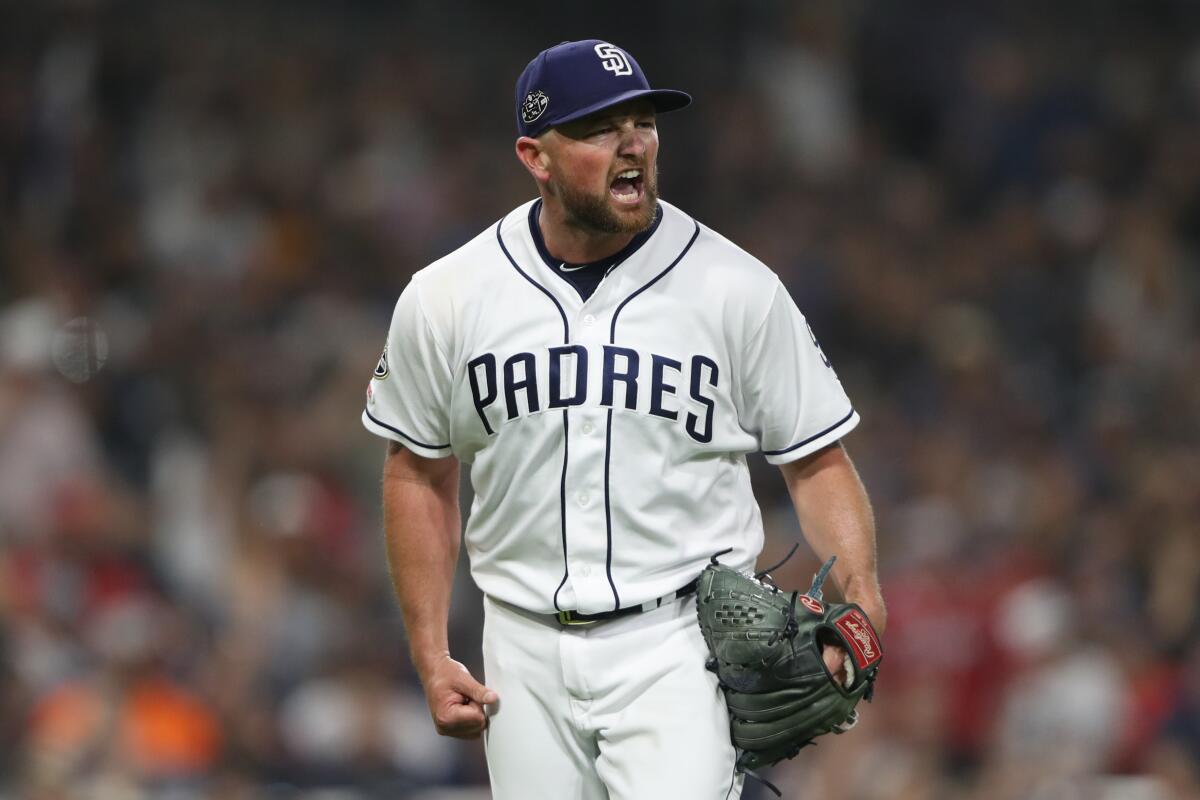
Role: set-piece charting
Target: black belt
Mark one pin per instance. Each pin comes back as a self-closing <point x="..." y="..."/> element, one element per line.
<point x="578" y="618"/>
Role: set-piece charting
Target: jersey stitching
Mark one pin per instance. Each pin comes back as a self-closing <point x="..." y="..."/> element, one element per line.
<point x="394" y="429"/>
<point x="562" y="490"/>
<point x="814" y="437"/>
<point x="763" y="323"/>
<point x="736" y="376"/>
<point x="612" y="339"/>
<point x="442" y="349"/>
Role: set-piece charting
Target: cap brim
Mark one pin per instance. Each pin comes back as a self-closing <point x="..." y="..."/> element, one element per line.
<point x="664" y="100"/>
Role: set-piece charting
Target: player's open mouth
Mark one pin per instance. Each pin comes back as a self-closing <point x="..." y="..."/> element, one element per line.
<point x="627" y="187"/>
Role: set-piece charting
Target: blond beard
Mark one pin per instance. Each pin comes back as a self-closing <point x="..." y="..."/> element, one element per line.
<point x="592" y="213"/>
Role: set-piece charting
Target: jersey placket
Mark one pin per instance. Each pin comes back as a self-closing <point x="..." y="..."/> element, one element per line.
<point x="587" y="522"/>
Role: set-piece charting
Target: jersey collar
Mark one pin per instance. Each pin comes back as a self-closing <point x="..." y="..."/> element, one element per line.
<point x="604" y="264"/>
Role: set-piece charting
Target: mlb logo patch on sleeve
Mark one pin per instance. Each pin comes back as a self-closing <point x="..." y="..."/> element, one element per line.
<point x="381" y="369"/>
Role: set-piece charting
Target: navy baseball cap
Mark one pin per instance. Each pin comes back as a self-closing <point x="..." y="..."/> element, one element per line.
<point x="574" y="79"/>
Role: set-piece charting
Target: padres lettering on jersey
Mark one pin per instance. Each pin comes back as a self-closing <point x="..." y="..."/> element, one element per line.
<point x="606" y="438"/>
<point x="504" y="389"/>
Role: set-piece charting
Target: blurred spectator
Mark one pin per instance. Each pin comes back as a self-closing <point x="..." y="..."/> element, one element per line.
<point x="1062" y="713"/>
<point x="130" y="720"/>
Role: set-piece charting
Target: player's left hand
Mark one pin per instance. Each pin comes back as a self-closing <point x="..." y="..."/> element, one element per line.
<point x="777" y="704"/>
<point x="872" y="605"/>
<point x="835" y="661"/>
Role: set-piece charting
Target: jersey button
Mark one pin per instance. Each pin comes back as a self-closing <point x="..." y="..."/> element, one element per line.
<point x="584" y="498"/>
<point x="589" y="320"/>
<point x="585" y="571"/>
<point x="588" y="428"/>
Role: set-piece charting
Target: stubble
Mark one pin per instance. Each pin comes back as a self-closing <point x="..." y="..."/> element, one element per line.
<point x="592" y="213"/>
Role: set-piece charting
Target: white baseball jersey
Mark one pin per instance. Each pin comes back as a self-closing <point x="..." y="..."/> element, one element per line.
<point x="606" y="438"/>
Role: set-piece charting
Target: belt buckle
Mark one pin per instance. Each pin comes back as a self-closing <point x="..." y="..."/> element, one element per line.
<point x="568" y="618"/>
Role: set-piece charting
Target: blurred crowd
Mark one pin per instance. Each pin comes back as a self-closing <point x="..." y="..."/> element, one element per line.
<point x="989" y="211"/>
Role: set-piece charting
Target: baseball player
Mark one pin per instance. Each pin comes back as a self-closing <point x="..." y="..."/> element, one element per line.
<point x="603" y="363"/>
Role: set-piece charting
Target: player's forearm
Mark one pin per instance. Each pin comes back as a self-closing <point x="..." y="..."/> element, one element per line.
<point x="835" y="514"/>
<point x="422" y="527"/>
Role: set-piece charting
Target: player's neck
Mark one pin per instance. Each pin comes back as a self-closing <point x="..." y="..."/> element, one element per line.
<point x="574" y="245"/>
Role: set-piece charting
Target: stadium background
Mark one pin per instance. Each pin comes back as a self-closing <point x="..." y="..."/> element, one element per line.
<point x="990" y="212"/>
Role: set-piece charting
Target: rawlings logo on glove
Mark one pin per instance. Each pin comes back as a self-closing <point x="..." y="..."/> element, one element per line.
<point x="768" y="658"/>
<point x="864" y="644"/>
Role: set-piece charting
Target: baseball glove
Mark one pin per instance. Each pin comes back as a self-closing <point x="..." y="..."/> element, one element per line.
<point x="766" y="650"/>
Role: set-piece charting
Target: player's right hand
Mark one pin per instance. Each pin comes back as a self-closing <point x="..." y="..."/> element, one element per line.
<point x="456" y="700"/>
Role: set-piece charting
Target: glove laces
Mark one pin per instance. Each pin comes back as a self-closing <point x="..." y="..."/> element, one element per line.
<point x="758" y="576"/>
<point x="752" y="774"/>
<point x="790" y="626"/>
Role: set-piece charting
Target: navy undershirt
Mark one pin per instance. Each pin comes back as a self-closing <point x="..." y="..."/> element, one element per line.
<point x="586" y="277"/>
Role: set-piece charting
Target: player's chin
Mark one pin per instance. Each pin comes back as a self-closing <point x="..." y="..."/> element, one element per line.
<point x="636" y="211"/>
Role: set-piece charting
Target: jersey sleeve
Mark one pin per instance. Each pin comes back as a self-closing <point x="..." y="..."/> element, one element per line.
<point x="792" y="400"/>
<point x="408" y="397"/>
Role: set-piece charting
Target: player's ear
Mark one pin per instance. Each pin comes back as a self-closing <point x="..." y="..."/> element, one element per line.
<point x="532" y="154"/>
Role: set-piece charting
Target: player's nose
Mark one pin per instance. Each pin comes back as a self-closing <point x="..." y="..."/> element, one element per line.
<point x="633" y="138"/>
<point x="633" y="141"/>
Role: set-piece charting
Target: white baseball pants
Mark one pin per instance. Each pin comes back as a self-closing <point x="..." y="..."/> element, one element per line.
<point x="619" y="710"/>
